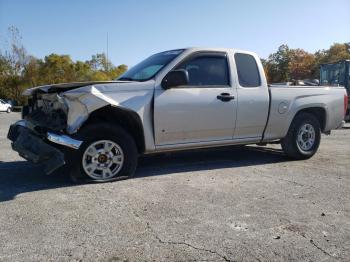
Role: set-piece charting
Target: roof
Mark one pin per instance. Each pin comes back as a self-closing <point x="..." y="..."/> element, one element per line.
<point x="343" y="60"/>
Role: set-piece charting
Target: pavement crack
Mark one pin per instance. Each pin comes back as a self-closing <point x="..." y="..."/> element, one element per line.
<point x="257" y="259"/>
<point x="186" y="244"/>
<point x="321" y="249"/>
<point x="302" y="234"/>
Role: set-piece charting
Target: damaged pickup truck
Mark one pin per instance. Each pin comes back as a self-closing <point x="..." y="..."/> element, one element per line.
<point x="175" y="100"/>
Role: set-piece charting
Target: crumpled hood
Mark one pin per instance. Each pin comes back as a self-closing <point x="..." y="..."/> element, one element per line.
<point x="57" y="88"/>
<point x="79" y="100"/>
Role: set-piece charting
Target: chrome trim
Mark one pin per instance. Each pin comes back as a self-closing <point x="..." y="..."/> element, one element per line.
<point x="63" y="140"/>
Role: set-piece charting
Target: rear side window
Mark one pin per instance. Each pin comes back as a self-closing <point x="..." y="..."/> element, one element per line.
<point x="207" y="70"/>
<point x="247" y="70"/>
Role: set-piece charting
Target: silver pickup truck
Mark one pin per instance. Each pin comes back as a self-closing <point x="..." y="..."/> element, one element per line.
<point x="175" y="100"/>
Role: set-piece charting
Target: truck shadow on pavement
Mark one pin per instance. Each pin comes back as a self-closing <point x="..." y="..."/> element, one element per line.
<point x="23" y="177"/>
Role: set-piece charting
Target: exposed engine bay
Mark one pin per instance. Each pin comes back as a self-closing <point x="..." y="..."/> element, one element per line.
<point x="46" y="112"/>
<point x="61" y="107"/>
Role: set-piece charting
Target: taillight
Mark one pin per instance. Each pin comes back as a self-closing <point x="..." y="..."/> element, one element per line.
<point x="345" y="104"/>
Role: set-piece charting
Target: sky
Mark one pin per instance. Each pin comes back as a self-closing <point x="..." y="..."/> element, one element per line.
<point x="137" y="29"/>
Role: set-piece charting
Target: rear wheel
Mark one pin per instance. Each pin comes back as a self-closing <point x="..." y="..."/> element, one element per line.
<point x="303" y="137"/>
<point x="108" y="153"/>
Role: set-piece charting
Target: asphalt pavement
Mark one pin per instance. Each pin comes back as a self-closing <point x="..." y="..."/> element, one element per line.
<point x="229" y="204"/>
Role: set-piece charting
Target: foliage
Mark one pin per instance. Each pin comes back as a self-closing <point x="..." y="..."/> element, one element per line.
<point x="19" y="71"/>
<point x="292" y="64"/>
<point x="301" y="64"/>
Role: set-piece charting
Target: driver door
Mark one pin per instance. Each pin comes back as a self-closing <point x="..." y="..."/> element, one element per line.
<point x="202" y="111"/>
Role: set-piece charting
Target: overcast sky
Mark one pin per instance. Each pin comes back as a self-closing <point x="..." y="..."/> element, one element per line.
<point x="137" y="29"/>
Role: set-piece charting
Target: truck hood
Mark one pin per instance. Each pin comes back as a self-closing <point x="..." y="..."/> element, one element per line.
<point x="58" y="88"/>
<point x="80" y="99"/>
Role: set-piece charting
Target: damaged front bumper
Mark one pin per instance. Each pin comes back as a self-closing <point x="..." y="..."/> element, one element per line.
<point x="39" y="148"/>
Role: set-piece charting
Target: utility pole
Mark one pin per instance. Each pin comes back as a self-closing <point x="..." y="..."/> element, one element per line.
<point x="107" y="53"/>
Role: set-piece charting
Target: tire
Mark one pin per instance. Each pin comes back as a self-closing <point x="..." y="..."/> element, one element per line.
<point x="100" y="135"/>
<point x="9" y="110"/>
<point x="301" y="130"/>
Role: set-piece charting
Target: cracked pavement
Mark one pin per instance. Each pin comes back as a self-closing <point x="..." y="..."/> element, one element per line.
<point x="230" y="204"/>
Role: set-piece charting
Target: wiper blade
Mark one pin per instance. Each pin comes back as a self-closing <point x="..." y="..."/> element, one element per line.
<point x="126" y="79"/>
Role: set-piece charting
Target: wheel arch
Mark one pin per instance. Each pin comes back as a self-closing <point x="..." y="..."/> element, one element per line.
<point x="123" y="117"/>
<point x="318" y="112"/>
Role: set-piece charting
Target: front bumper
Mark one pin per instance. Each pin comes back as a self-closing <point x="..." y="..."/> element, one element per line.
<point x="37" y="148"/>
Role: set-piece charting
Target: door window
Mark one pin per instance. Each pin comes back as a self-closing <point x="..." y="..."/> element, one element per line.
<point x="247" y="70"/>
<point x="207" y="70"/>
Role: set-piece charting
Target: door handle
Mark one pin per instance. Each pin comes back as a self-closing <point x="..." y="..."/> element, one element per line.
<point x="225" y="97"/>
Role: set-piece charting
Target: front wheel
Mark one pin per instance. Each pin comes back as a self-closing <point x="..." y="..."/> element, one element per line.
<point x="108" y="153"/>
<point x="9" y="110"/>
<point x="303" y="137"/>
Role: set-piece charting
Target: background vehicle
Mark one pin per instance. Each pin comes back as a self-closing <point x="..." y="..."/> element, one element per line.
<point x="5" y="107"/>
<point x="174" y="100"/>
<point x="12" y="102"/>
<point x="337" y="74"/>
<point x="304" y="82"/>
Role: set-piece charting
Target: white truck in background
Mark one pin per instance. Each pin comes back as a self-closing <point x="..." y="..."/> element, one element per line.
<point x="174" y="100"/>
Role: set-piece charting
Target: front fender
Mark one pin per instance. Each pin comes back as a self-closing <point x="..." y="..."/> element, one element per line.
<point x="81" y="102"/>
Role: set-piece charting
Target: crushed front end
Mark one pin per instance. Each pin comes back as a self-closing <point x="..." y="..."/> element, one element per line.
<point x="54" y="115"/>
<point x="41" y="135"/>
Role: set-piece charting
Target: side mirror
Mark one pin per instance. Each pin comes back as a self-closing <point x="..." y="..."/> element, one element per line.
<point x="175" y="78"/>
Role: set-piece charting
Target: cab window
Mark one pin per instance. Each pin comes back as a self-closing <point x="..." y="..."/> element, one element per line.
<point x="247" y="70"/>
<point x="207" y="70"/>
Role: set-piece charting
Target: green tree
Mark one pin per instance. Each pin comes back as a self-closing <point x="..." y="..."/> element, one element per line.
<point x="13" y="62"/>
<point x="287" y="64"/>
<point x="335" y="53"/>
<point x="32" y="71"/>
<point x="103" y="69"/>
<point x="18" y="70"/>
<point x="99" y="62"/>
<point x="82" y="71"/>
<point x="301" y="64"/>
<point x="57" y="69"/>
<point x="117" y="71"/>
<point x="277" y="64"/>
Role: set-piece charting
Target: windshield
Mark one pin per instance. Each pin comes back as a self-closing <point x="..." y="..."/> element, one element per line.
<point x="333" y="74"/>
<point x="150" y="67"/>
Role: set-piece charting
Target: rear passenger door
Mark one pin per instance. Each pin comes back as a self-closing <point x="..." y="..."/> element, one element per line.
<point x="253" y="97"/>
<point x="197" y="113"/>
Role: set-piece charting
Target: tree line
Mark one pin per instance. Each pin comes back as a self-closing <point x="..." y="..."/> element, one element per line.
<point x="288" y="64"/>
<point x="19" y="70"/>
